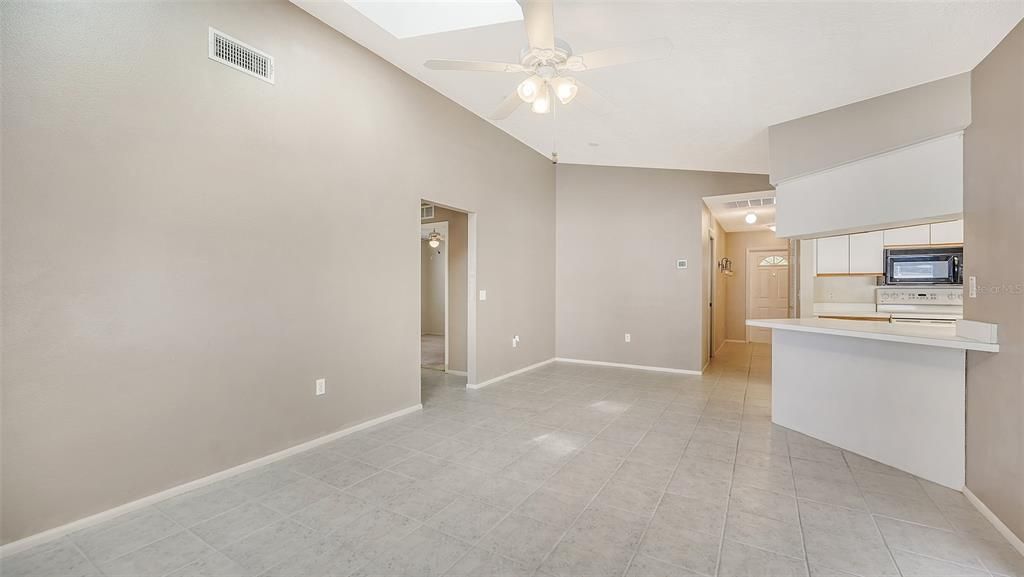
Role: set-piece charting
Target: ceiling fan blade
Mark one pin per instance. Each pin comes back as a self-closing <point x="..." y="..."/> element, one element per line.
<point x="636" y="52"/>
<point x="593" y="100"/>
<point x="539" y="18"/>
<point x="507" y="107"/>
<point x="474" y="65"/>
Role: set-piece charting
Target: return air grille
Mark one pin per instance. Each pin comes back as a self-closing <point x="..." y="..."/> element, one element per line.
<point x="752" y="203"/>
<point x="241" y="56"/>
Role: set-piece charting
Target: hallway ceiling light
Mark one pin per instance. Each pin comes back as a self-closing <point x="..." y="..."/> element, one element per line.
<point x="751" y="218"/>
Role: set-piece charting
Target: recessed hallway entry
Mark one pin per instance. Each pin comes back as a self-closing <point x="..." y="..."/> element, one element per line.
<point x="444" y="289"/>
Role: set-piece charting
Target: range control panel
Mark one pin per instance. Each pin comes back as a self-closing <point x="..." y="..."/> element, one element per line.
<point x="920" y="296"/>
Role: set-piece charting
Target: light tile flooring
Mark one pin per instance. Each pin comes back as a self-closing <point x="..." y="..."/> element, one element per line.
<point x="432" y="351"/>
<point x="566" y="470"/>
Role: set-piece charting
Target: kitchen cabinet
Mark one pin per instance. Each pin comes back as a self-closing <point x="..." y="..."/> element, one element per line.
<point x="833" y="255"/>
<point x="908" y="235"/>
<point x="951" y="232"/>
<point x="866" y="253"/>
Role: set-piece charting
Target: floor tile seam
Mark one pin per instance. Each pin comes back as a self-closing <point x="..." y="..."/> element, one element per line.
<point x="874" y="521"/>
<point x="594" y="498"/>
<point x="650" y="521"/>
<point x="540" y="486"/>
<point x="728" y="502"/>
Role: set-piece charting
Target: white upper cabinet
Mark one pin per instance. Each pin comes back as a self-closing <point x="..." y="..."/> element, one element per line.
<point x="833" y="255"/>
<point x="951" y="232"/>
<point x="866" y="253"/>
<point x="908" y="235"/>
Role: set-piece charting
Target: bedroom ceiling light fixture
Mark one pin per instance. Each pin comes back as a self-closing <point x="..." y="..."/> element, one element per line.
<point x="751" y="218"/>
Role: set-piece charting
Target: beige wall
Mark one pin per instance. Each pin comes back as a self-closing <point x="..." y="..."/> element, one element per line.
<point x="186" y="248"/>
<point x="737" y="244"/>
<point x="869" y="127"/>
<point x="620" y="231"/>
<point x="993" y="237"/>
<point x="458" y="283"/>
<point x="432" y="288"/>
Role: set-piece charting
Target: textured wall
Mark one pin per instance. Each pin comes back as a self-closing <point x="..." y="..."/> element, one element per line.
<point x="993" y="237"/>
<point x="620" y="231"/>
<point x="186" y="248"/>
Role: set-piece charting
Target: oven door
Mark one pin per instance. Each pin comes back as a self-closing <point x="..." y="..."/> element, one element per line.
<point x="921" y="269"/>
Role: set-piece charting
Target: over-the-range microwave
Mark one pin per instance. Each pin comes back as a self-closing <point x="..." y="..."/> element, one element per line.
<point x="924" y="266"/>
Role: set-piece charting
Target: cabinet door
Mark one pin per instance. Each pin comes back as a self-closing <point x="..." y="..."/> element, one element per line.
<point x="908" y="235"/>
<point x="951" y="232"/>
<point x="866" y="253"/>
<point x="833" y="255"/>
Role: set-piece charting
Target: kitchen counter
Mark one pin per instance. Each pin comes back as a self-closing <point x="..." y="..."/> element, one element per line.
<point x="894" y="393"/>
<point x="928" y="335"/>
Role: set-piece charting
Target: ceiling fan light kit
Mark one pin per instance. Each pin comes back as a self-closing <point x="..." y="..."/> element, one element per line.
<point x="546" y="60"/>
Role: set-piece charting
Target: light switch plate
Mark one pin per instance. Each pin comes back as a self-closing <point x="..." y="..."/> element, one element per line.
<point x="483" y="295"/>
<point x="321" y="387"/>
<point x="972" y="287"/>
<point x="681" y="263"/>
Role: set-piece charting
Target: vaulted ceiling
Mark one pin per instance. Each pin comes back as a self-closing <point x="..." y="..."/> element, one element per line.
<point x="735" y="68"/>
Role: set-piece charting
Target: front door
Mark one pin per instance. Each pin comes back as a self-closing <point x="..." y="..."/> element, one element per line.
<point x="768" y="290"/>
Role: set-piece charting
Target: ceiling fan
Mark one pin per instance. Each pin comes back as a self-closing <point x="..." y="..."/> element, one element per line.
<point x="549" y="61"/>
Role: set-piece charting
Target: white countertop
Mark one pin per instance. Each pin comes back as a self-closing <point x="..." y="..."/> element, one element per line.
<point x="934" y="336"/>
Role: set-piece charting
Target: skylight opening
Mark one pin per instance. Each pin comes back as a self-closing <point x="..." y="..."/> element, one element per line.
<point x="412" y="18"/>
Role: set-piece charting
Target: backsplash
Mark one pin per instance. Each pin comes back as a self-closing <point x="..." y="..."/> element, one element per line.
<point x="844" y="289"/>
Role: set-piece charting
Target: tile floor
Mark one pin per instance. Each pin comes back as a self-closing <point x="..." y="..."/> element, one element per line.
<point x="432" y="351"/>
<point x="568" y="470"/>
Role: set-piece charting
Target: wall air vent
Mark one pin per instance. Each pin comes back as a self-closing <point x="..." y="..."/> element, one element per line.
<point x="241" y="56"/>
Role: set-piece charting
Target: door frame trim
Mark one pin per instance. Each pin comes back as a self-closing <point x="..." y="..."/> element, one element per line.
<point x="746" y="268"/>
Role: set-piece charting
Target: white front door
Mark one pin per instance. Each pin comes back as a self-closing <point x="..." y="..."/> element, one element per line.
<point x="767" y="290"/>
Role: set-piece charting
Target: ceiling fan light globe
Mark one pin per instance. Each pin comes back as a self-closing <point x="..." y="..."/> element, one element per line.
<point x="529" y="89"/>
<point x="434" y="243"/>
<point x="566" y="90"/>
<point x="542" y="103"/>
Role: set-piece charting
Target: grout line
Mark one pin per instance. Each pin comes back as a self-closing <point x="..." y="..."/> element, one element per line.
<point x="871" y="514"/>
<point x="732" y="476"/>
<point x="86" y="557"/>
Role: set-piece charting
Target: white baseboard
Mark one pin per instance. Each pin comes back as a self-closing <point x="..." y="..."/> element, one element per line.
<point x="58" y="532"/>
<point x="459" y="373"/>
<point x="507" y="375"/>
<point x="999" y="525"/>
<point x="627" y="366"/>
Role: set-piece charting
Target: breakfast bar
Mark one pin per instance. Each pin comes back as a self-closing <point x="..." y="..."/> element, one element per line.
<point x="892" y="392"/>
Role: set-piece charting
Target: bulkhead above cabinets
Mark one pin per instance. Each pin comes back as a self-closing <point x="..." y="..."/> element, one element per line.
<point x="863" y="253"/>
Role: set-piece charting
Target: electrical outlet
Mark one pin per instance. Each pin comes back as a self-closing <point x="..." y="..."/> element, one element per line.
<point x="515" y="341"/>
<point x="321" y="387"/>
<point x="972" y="287"/>
<point x="483" y="295"/>
<point x="628" y="337"/>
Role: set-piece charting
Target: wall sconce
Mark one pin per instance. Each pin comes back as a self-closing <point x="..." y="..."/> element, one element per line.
<point x="725" y="266"/>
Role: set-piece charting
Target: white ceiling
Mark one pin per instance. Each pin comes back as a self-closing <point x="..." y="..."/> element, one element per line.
<point x="736" y="68"/>
<point x="732" y="218"/>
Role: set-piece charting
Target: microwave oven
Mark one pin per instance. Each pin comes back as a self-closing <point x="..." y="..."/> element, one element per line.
<point x="924" y="266"/>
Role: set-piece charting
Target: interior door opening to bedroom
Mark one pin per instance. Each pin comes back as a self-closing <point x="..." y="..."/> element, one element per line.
<point x="444" y="295"/>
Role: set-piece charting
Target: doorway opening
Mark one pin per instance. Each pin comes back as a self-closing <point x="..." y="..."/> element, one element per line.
<point x="446" y="338"/>
<point x="767" y="289"/>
